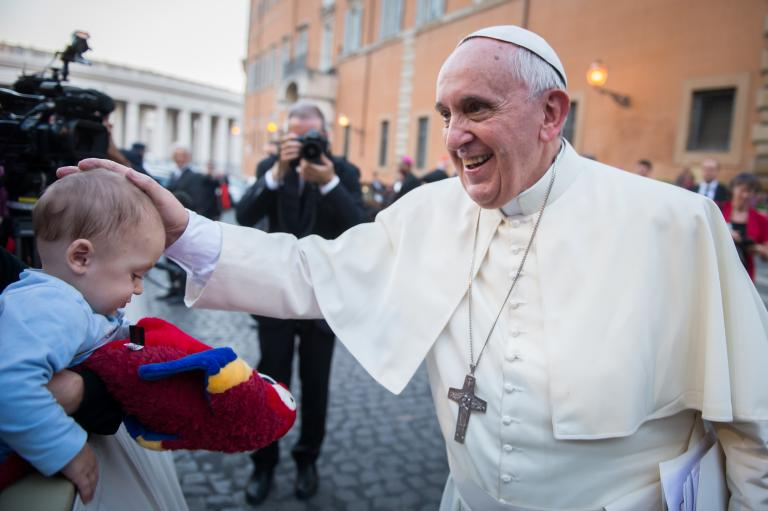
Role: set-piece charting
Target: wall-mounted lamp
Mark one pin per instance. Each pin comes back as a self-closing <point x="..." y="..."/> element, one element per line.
<point x="343" y="121"/>
<point x="271" y="127"/>
<point x="597" y="75"/>
<point x="234" y="130"/>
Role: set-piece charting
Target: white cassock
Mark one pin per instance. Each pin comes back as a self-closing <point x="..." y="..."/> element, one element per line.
<point x="632" y="314"/>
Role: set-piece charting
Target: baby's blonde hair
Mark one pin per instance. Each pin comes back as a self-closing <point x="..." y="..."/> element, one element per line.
<point x="94" y="205"/>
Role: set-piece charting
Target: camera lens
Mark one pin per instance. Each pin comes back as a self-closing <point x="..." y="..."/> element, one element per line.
<point x="311" y="151"/>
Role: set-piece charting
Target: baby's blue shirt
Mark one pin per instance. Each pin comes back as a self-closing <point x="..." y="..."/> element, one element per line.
<point x="45" y="326"/>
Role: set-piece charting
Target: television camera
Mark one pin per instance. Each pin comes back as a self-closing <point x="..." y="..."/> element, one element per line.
<point x="44" y="125"/>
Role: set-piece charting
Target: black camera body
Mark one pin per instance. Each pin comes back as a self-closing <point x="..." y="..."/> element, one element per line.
<point x="45" y="124"/>
<point x="314" y="145"/>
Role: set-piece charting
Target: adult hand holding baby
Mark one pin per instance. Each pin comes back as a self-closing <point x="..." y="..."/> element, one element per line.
<point x="173" y="214"/>
<point x="83" y="471"/>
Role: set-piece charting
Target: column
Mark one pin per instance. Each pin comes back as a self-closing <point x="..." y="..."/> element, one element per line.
<point x="220" y="147"/>
<point x="158" y="135"/>
<point x="204" y="149"/>
<point x="184" y="122"/>
<point x="131" y="122"/>
<point x="117" y="119"/>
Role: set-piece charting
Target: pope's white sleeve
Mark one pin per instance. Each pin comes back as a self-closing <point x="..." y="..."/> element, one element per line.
<point x="197" y="250"/>
<point x="746" y="465"/>
<point x="259" y="273"/>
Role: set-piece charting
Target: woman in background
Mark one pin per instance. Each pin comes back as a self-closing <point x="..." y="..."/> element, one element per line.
<point x="749" y="227"/>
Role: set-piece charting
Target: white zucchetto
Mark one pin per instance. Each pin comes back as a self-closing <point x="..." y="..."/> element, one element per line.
<point x="525" y="39"/>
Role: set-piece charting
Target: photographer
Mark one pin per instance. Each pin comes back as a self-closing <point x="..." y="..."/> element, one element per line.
<point x="302" y="190"/>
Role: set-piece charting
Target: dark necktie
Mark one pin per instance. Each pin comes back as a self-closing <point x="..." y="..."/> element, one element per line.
<point x="291" y="205"/>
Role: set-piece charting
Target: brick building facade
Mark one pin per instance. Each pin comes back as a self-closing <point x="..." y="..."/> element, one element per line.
<point x="694" y="72"/>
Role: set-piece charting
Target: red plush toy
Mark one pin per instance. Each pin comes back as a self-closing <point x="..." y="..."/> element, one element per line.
<point x="179" y="393"/>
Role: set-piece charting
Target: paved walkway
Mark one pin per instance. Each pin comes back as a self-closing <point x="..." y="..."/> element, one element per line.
<point x="381" y="452"/>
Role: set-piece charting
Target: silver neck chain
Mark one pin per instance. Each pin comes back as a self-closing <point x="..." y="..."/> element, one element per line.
<point x="472" y="363"/>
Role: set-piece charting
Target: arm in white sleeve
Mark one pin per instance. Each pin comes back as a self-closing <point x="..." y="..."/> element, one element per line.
<point x="259" y="273"/>
<point x="269" y="179"/>
<point x="197" y="250"/>
<point x="746" y="463"/>
<point x="329" y="186"/>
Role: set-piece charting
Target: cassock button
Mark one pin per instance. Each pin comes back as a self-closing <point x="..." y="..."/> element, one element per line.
<point x="506" y="478"/>
<point x="515" y="306"/>
<point x="517" y="250"/>
<point x="509" y="388"/>
<point x="507" y="420"/>
<point x="515" y="223"/>
<point x="515" y="333"/>
<point x="508" y="448"/>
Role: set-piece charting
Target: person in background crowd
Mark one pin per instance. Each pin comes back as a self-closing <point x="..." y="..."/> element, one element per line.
<point x="685" y="179"/>
<point x="221" y="185"/>
<point x="302" y="198"/>
<point x="709" y="185"/>
<point x="407" y="180"/>
<point x="643" y="168"/>
<point x="379" y="189"/>
<point x="135" y="155"/>
<point x="376" y="197"/>
<point x="201" y="188"/>
<point x="749" y="227"/>
<point x="439" y="173"/>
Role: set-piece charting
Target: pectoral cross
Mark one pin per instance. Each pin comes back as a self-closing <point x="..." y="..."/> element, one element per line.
<point x="468" y="403"/>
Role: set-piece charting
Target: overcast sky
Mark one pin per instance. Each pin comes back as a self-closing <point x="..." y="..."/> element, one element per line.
<point x="200" y="40"/>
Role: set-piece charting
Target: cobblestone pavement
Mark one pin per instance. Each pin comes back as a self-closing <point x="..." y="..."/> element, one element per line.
<point x="381" y="452"/>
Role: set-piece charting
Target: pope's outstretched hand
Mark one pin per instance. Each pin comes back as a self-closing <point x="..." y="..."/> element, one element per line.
<point x="175" y="217"/>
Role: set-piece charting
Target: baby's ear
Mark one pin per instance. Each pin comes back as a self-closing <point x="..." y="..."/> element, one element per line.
<point x="79" y="255"/>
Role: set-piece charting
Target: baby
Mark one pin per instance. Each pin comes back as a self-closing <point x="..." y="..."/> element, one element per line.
<point x="97" y="236"/>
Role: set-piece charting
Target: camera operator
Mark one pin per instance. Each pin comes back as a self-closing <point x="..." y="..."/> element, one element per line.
<point x="302" y="190"/>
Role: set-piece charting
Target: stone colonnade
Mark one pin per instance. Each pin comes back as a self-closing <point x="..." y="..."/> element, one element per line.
<point x="210" y="137"/>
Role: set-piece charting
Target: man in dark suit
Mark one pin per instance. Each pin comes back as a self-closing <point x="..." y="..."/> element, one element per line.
<point x="709" y="185"/>
<point x="200" y="189"/>
<point x="301" y="196"/>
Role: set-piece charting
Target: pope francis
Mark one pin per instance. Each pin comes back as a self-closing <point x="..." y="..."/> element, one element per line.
<point x="591" y="338"/>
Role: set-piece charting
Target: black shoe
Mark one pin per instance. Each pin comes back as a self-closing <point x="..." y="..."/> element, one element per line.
<point x="306" y="481"/>
<point x="258" y="486"/>
<point x="172" y="293"/>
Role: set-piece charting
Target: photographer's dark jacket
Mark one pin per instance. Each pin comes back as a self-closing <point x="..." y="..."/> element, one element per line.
<point x="327" y="215"/>
<point x="307" y="212"/>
